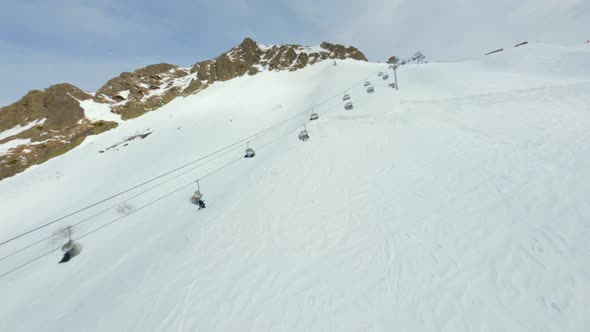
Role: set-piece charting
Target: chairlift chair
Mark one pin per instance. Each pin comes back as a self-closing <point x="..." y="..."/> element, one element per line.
<point x="380" y="73"/>
<point x="385" y="76"/>
<point x="346" y="97"/>
<point x="196" y="197"/>
<point x="68" y="245"/>
<point x="70" y="249"/>
<point x="313" y="116"/>
<point x="304" y="135"/>
<point x="367" y="83"/>
<point x="370" y="89"/>
<point x="249" y="153"/>
<point x="348" y="106"/>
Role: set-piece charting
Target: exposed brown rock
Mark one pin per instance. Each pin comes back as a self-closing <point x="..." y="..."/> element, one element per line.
<point x="342" y="52"/>
<point x="222" y="67"/>
<point x="203" y="72"/>
<point x="57" y="104"/>
<point x="61" y="141"/>
<point x="302" y="60"/>
<point x="290" y="56"/>
<point x="150" y="75"/>
<point x="194" y="86"/>
<point x="181" y="73"/>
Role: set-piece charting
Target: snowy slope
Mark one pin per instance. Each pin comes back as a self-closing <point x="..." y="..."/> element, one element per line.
<point x="459" y="203"/>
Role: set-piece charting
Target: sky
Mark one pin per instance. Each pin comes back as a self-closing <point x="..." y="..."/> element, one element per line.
<point x="88" y="42"/>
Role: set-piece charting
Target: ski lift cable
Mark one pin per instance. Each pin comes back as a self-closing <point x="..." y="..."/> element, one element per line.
<point x="96" y="229"/>
<point x="134" y="211"/>
<point x="236" y="144"/>
<point x="298" y="127"/>
<point x="113" y="206"/>
<point x="288" y="132"/>
<point x="156" y="200"/>
<point x="160" y="198"/>
<point x="148" y="204"/>
<point x="121" y="217"/>
<point x="28" y="262"/>
<point x="176" y="176"/>
<point x="268" y="129"/>
<point x="112" y="196"/>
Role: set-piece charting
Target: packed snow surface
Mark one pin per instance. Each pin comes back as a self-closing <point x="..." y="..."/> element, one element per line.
<point x="458" y="203"/>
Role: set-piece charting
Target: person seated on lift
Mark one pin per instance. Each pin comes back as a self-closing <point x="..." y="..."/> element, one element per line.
<point x="198" y="199"/>
<point x="71" y="249"/>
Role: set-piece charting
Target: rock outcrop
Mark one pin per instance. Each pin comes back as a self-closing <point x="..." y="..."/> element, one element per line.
<point x="149" y="88"/>
<point x="53" y="123"/>
<point x="342" y="52"/>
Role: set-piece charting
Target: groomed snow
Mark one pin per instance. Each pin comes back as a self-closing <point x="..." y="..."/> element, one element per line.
<point x="458" y="203"/>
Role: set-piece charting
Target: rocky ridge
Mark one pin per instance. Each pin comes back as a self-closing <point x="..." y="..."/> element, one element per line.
<point x="45" y="124"/>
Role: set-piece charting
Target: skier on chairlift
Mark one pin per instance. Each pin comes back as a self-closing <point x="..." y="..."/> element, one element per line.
<point x="197" y="198"/>
<point x="249" y="153"/>
<point x="71" y="249"/>
<point x="304" y="135"/>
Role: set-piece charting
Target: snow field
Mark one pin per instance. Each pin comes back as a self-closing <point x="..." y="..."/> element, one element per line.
<point x="458" y="203"/>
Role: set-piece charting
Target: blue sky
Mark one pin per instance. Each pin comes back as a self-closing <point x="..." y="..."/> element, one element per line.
<point x="88" y="42"/>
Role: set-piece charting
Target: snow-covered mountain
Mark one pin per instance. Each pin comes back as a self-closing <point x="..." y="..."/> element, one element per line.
<point x="458" y="203"/>
<point x="46" y="124"/>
